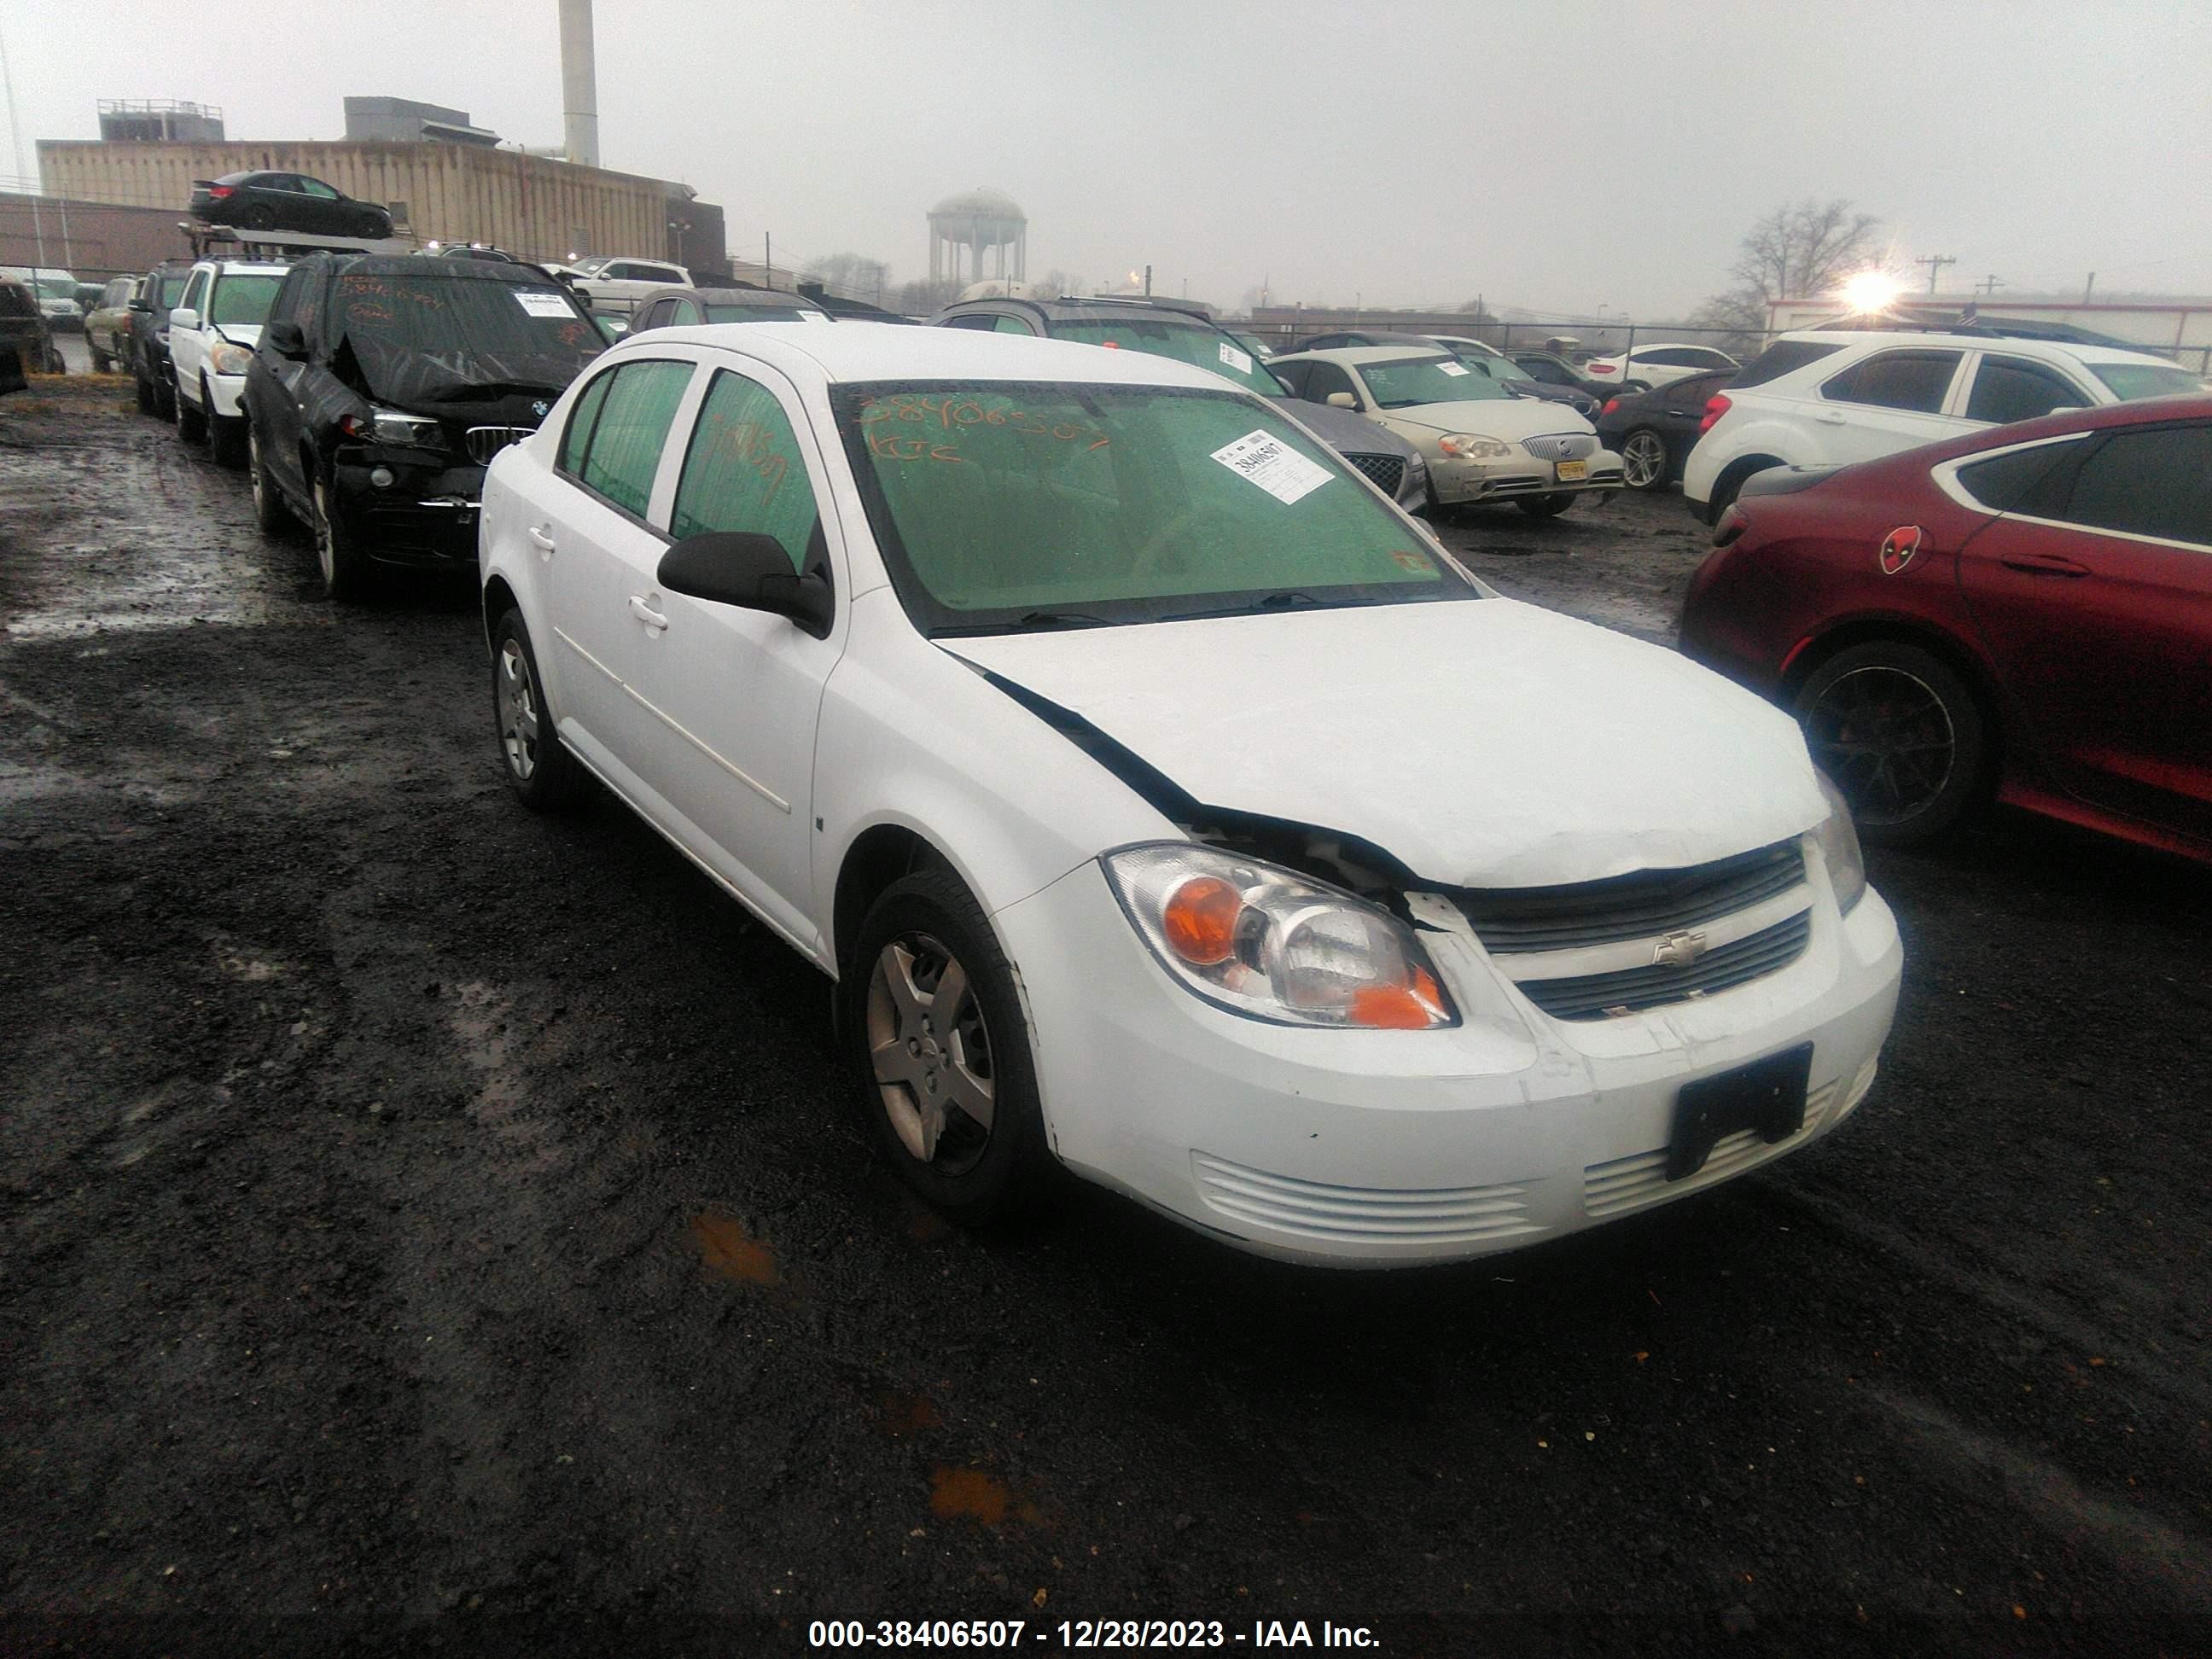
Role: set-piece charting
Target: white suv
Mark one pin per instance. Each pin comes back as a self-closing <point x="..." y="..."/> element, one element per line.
<point x="1830" y="397"/>
<point x="212" y="334"/>
<point x="615" y="285"/>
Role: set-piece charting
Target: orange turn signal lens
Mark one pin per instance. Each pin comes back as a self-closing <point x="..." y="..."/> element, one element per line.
<point x="1414" y="1007"/>
<point x="1199" y="920"/>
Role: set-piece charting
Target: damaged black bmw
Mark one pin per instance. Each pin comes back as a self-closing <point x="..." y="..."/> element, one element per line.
<point x="383" y="386"/>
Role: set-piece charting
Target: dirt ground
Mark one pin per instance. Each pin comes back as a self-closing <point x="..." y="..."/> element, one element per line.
<point x="428" y="1226"/>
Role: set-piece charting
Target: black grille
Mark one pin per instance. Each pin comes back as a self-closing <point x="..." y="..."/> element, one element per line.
<point x="1594" y="995"/>
<point x="1638" y="905"/>
<point x="486" y="442"/>
<point x="1388" y="472"/>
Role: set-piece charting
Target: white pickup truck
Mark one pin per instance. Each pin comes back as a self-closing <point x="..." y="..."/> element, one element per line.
<point x="212" y="334"/>
<point x="612" y="284"/>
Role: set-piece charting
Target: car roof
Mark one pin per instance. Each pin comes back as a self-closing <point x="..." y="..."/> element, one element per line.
<point x="1382" y="354"/>
<point x="886" y="351"/>
<point x="444" y="270"/>
<point x="247" y="267"/>
<point x="733" y="296"/>
<point x="1941" y="340"/>
<point x="1070" y="307"/>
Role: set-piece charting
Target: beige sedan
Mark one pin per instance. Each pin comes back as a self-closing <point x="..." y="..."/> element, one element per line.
<point x="1482" y="443"/>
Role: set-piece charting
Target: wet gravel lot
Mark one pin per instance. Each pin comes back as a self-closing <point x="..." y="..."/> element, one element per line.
<point x="431" y="1225"/>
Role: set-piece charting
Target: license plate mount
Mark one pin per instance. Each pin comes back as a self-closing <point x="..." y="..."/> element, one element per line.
<point x="1573" y="471"/>
<point x="1767" y="1097"/>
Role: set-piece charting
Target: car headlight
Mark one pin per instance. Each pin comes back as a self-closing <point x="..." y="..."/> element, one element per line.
<point x="1267" y="942"/>
<point x="389" y="426"/>
<point x="1837" y="838"/>
<point x="1473" y="446"/>
<point x="229" y="358"/>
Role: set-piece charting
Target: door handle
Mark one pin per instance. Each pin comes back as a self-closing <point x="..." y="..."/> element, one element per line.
<point x="646" y="614"/>
<point x="543" y="539"/>
<point x="1831" y="418"/>
<point x="2043" y="564"/>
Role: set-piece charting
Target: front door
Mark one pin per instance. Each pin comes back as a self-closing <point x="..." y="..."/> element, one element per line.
<point x="742" y="690"/>
<point x="2095" y="603"/>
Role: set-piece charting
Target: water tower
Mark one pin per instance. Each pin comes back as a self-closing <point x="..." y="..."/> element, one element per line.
<point x="976" y="222"/>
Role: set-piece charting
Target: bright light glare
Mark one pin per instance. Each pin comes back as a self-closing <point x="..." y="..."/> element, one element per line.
<point x="1871" y="290"/>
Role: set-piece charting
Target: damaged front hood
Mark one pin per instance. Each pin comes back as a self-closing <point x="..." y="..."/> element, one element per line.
<point x="1481" y="744"/>
<point x="459" y="386"/>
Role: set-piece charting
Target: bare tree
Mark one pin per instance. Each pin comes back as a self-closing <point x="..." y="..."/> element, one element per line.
<point x="855" y="275"/>
<point x="1793" y="252"/>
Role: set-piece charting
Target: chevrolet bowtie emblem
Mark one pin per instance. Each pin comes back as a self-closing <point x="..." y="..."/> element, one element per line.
<point x="1678" y="950"/>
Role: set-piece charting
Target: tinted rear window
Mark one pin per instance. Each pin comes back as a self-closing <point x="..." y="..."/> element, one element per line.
<point x="1783" y="357"/>
<point x="2009" y="483"/>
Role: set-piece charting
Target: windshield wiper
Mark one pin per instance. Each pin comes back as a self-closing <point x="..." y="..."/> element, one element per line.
<point x="1035" y="621"/>
<point x="1288" y="598"/>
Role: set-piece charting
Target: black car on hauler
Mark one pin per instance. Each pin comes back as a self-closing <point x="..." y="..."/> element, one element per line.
<point x="381" y="387"/>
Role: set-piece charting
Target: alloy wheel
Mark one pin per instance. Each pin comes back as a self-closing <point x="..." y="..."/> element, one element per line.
<point x="1643" y="460"/>
<point x="517" y="711"/>
<point x="326" y="552"/>
<point x="930" y="1052"/>
<point x="254" y="479"/>
<point x="1886" y="739"/>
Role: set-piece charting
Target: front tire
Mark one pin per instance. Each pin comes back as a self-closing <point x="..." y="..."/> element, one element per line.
<point x="1644" y="463"/>
<point x="1903" y="737"/>
<point x="542" y="773"/>
<point x="149" y="399"/>
<point x="939" y="1047"/>
<point x="192" y="424"/>
<point x="1546" y="506"/>
<point x="344" y="566"/>
<point x="270" y="511"/>
<point x="225" y="432"/>
<point x="101" y="362"/>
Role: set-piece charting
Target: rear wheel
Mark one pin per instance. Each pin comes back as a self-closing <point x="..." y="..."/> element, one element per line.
<point x="1644" y="459"/>
<point x="543" y="774"/>
<point x="1903" y="736"/>
<point x="344" y="566"/>
<point x="939" y="1046"/>
<point x="1546" y="506"/>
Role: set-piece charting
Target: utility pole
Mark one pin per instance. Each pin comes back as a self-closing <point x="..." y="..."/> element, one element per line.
<point x="1988" y="285"/>
<point x="1148" y="282"/>
<point x="768" y="261"/>
<point x="1936" y="262"/>
<point x="2088" y="288"/>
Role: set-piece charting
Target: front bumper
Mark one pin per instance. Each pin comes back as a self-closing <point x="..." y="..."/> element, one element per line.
<point x="1457" y="482"/>
<point x="226" y="396"/>
<point x="1392" y="1148"/>
<point x="425" y="517"/>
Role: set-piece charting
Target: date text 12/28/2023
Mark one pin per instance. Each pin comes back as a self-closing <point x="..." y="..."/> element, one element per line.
<point x="1082" y="1635"/>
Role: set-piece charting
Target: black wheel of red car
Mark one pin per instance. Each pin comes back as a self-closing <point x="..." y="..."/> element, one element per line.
<point x="1644" y="459"/>
<point x="1546" y="506"/>
<point x="257" y="217"/>
<point x="1903" y="736"/>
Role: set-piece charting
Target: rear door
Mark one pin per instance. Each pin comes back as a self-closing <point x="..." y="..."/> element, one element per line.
<point x="1890" y="401"/>
<point x="2094" y="601"/>
<point x="2001" y="390"/>
<point x="598" y="556"/>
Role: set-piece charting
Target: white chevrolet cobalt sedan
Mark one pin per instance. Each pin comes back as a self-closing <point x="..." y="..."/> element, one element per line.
<point x="1166" y="804"/>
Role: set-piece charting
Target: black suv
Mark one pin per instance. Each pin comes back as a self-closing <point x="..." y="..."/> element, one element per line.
<point x="383" y="384"/>
<point x="149" y="336"/>
<point x="1163" y="329"/>
<point x="25" y="344"/>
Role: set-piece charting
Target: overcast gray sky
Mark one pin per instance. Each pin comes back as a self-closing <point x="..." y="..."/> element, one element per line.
<point x="1564" y="156"/>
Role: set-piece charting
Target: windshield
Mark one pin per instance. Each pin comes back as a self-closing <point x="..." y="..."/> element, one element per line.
<point x="1183" y="342"/>
<point x="461" y="316"/>
<point x="743" y="313"/>
<point x="1412" y="381"/>
<point x="58" y="288"/>
<point x="2129" y="382"/>
<point x="1005" y="507"/>
<point x="242" y="299"/>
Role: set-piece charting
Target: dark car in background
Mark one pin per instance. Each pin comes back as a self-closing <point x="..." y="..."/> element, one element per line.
<point x="26" y="346"/>
<point x="286" y="200"/>
<point x="1549" y="368"/>
<point x="380" y="388"/>
<point x="2026" y="611"/>
<point x="1163" y="329"/>
<point x="689" y="307"/>
<point x="1653" y="431"/>
<point x="162" y="292"/>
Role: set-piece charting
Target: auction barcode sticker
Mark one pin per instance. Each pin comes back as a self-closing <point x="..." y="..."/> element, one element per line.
<point x="1273" y="464"/>
<point x="1239" y="360"/>
<point x="1451" y="368"/>
<point x="542" y="304"/>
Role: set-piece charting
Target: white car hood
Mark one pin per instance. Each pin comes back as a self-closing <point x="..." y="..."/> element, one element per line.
<point x="1483" y="744"/>
<point x="245" y="334"/>
<point x="1511" y="418"/>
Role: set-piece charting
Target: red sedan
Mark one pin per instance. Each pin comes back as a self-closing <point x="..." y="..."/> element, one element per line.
<point x="2026" y="611"/>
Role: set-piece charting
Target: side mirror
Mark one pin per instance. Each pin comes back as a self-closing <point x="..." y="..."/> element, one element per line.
<point x="286" y="340"/>
<point x="750" y="571"/>
<point x="183" y="316"/>
<point x="1342" y="400"/>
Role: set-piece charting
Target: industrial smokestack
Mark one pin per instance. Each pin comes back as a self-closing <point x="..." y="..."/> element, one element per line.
<point x="579" y="92"/>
